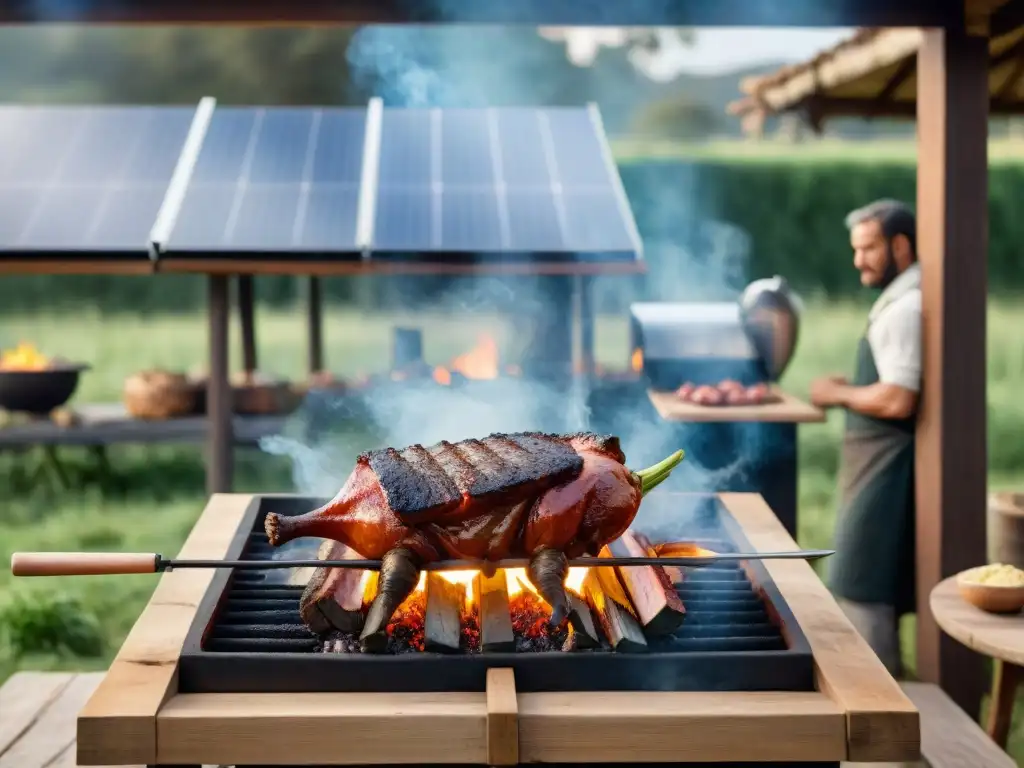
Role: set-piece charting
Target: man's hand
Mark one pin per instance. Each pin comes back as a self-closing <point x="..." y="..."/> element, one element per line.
<point x="826" y="391"/>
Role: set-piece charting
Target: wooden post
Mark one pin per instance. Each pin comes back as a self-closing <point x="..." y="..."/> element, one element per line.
<point x="247" y="316"/>
<point x="220" y="440"/>
<point x="315" y="323"/>
<point x="585" y="287"/>
<point x="952" y="196"/>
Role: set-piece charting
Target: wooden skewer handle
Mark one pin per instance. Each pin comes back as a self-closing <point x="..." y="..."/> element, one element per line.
<point x="82" y="563"/>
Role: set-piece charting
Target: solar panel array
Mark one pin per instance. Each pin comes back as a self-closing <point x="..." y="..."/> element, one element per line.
<point x="330" y="181"/>
<point x="85" y="178"/>
<point x="274" y="180"/>
<point x="498" y="180"/>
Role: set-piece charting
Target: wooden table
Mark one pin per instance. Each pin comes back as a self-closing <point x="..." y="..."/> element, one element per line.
<point x="109" y="423"/>
<point x="138" y="716"/>
<point x="999" y="636"/>
<point x="774" y="477"/>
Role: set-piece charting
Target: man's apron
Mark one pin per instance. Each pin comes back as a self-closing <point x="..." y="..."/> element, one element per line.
<point x="875" y="538"/>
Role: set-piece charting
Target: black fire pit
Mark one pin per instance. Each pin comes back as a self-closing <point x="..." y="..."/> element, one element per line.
<point x="38" y="392"/>
<point x="738" y="635"/>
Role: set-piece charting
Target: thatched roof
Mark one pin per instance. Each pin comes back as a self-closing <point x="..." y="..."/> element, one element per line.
<point x="873" y="74"/>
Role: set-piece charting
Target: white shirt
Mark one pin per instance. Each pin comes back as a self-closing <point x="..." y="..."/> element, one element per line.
<point x="895" y="331"/>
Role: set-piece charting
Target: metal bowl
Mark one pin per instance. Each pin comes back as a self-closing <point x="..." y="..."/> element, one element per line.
<point x="39" y="392"/>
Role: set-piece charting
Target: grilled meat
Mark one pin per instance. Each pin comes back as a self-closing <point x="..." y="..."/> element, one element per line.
<point x="545" y="497"/>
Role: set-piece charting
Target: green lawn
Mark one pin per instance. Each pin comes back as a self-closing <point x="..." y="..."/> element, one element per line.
<point x="811" y="150"/>
<point x="82" y="621"/>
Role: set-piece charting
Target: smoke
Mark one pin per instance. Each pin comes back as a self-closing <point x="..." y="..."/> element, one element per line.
<point x="692" y="255"/>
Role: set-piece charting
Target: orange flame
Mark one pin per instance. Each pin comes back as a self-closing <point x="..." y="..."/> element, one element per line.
<point x="24" y="357"/>
<point x="480" y="362"/>
<point x="636" y="360"/>
<point x="516" y="581"/>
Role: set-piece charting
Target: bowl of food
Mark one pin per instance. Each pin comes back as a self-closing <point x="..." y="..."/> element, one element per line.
<point x="995" y="588"/>
<point x="33" y="383"/>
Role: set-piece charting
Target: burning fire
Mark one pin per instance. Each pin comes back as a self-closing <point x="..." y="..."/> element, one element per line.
<point x="515" y="578"/>
<point x="480" y="363"/>
<point x="516" y="582"/>
<point x="636" y="360"/>
<point x="24" y="357"/>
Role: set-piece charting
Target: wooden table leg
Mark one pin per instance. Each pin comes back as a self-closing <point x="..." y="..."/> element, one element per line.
<point x="1008" y="678"/>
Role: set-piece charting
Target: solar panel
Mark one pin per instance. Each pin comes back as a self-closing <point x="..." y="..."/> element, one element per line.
<point x="499" y="181"/>
<point x="273" y="179"/>
<point x="78" y="179"/>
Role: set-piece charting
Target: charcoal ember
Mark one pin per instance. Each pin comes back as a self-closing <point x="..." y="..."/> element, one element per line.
<point x="405" y="630"/>
<point x="341" y="642"/>
<point x="470" y="642"/>
<point x="530" y="625"/>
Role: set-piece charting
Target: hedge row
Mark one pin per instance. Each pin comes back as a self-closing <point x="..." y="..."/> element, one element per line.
<point x="707" y="226"/>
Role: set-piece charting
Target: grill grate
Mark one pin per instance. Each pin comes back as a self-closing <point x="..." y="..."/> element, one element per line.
<point x="250" y="638"/>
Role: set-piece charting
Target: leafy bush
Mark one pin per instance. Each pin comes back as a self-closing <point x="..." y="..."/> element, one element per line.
<point x="42" y="623"/>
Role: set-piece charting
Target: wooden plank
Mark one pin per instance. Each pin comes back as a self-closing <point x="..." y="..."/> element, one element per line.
<point x="340" y="268"/>
<point x="140" y="266"/>
<point x="631" y="728"/>
<point x="788" y="409"/>
<point x="949" y="737"/>
<point x="118" y="724"/>
<point x="952" y="226"/>
<point x="323" y="729"/>
<point x="502" y="718"/>
<point x="54" y="729"/>
<point x="693" y="13"/>
<point x="24" y="698"/>
<point x="495" y="617"/>
<point x="110" y="424"/>
<point x="882" y="724"/>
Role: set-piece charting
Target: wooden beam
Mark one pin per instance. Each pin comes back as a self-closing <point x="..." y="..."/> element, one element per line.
<point x="220" y="440"/>
<point x="865" y="13"/>
<point x="952" y="195"/>
<point x="825" y="107"/>
<point x="903" y="72"/>
<point x="1006" y="18"/>
<point x="502" y="718"/>
<point x="247" y="318"/>
<point x="329" y="268"/>
<point x="315" y="323"/>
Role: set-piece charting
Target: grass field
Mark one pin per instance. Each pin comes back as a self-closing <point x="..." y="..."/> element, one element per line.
<point x="79" y="623"/>
<point x="810" y="150"/>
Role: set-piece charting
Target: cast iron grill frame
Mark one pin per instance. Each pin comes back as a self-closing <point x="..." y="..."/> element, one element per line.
<point x="296" y="666"/>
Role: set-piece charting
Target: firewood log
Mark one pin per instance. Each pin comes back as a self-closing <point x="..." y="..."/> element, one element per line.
<point x="334" y="597"/>
<point x="620" y="628"/>
<point x="582" y="631"/>
<point x="674" y="573"/>
<point x="495" y="618"/>
<point x="442" y="623"/>
<point x="650" y="589"/>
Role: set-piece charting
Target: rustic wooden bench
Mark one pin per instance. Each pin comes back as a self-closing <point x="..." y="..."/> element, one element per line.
<point x="38" y="712"/>
<point x="949" y="738"/>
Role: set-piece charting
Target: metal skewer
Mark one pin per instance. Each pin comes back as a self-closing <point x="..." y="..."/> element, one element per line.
<point x="106" y="563"/>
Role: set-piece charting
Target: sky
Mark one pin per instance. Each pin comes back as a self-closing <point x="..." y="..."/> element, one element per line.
<point x="717" y="50"/>
<point x="721" y="50"/>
